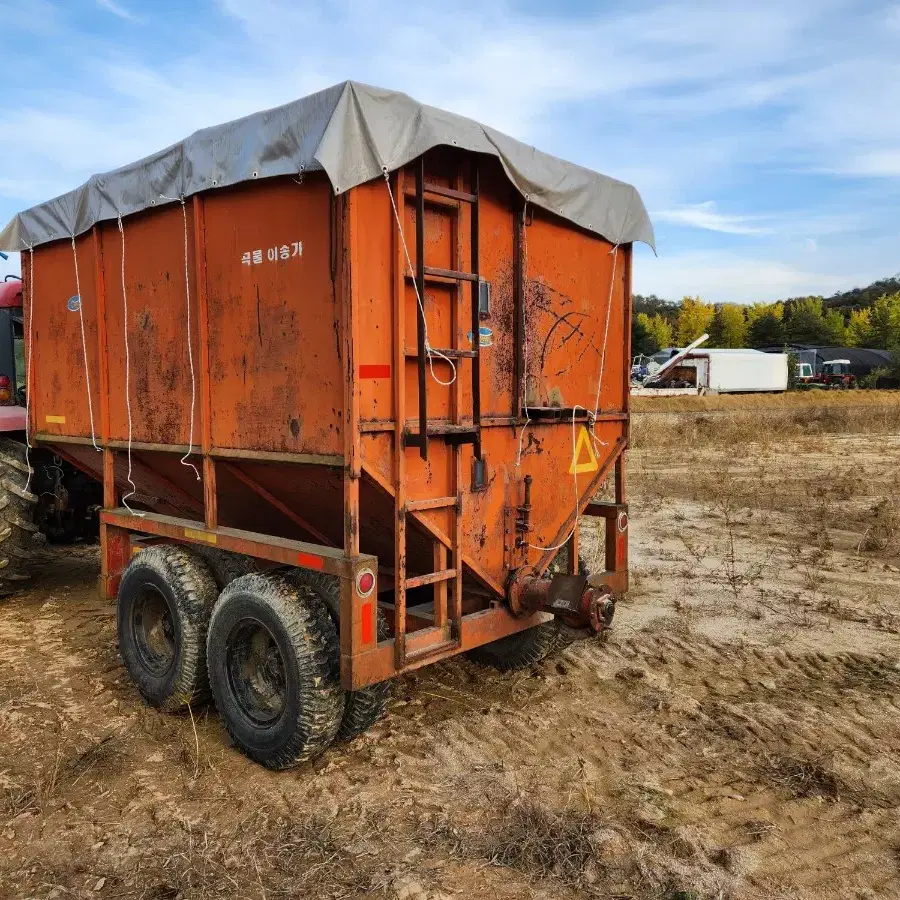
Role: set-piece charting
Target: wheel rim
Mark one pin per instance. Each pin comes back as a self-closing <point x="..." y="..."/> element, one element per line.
<point x="153" y="627"/>
<point x="256" y="672"/>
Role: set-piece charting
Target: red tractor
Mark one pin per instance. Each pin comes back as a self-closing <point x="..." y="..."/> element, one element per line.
<point x="836" y="374"/>
<point x="58" y="501"/>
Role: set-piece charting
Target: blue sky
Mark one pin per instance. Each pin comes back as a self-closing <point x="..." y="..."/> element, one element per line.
<point x="763" y="136"/>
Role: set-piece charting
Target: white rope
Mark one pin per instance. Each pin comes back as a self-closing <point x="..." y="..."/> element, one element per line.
<point x="29" y="367"/>
<point x="575" y="480"/>
<point x="430" y="352"/>
<point x="523" y="277"/>
<point x="87" y="371"/>
<point x="612" y="284"/>
<point x="133" y="490"/>
<point x="187" y="291"/>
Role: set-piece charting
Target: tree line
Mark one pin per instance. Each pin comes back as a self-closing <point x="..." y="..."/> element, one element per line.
<point x="864" y="317"/>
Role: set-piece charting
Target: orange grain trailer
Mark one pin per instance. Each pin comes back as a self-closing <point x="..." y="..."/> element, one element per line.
<point x="351" y="372"/>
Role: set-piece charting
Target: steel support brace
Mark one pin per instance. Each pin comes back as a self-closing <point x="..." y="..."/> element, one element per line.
<point x="261" y="546"/>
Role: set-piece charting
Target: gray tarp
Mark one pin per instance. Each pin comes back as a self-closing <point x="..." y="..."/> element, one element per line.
<point x="351" y="131"/>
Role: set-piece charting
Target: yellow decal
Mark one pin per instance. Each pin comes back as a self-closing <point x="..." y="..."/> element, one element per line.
<point x="56" y="420"/>
<point x="200" y="535"/>
<point x="583" y="459"/>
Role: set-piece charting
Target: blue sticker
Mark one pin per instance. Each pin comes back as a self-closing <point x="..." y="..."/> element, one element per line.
<point x="73" y="304"/>
<point x="485" y="336"/>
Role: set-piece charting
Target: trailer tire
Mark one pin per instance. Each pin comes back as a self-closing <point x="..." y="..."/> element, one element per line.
<point x="521" y="650"/>
<point x="17" y="528"/>
<point x="226" y="566"/>
<point x="362" y="708"/>
<point x="274" y="668"/>
<point x="165" y="599"/>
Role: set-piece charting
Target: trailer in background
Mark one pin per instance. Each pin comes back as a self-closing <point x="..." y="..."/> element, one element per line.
<point x="715" y="371"/>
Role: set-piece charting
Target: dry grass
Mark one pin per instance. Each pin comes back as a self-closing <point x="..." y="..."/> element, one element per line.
<point x="724" y="421"/>
<point x="262" y="857"/>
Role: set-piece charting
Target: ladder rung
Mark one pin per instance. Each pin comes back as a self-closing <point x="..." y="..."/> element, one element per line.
<point x="430" y="578"/>
<point x="452" y="644"/>
<point x="450" y="273"/>
<point x="452" y="434"/>
<point x="442" y="191"/>
<point x="435" y="351"/>
<point x="431" y="503"/>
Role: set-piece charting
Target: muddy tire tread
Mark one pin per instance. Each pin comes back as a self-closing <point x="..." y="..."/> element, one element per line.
<point x="521" y="650"/>
<point x="310" y="631"/>
<point x="194" y="592"/>
<point x="17" y="528"/>
<point x="362" y="708"/>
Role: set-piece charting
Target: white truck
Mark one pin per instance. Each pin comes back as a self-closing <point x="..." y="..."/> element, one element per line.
<point x="708" y="371"/>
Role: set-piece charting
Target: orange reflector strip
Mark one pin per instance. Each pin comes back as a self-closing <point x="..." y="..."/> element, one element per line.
<point x="309" y="561"/>
<point x="372" y="371"/>
<point x="367" y="625"/>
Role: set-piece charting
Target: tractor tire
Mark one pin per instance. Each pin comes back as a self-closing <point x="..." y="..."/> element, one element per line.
<point x="274" y="669"/>
<point x="362" y="708"/>
<point x="17" y="527"/>
<point x="225" y="566"/>
<point x="165" y="600"/>
<point x="521" y="650"/>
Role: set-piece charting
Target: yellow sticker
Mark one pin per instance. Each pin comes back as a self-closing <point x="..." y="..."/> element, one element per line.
<point x="200" y="535"/>
<point x="583" y="459"/>
<point x="56" y="420"/>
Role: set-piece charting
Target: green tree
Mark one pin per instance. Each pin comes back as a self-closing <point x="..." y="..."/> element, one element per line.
<point x="728" y="327"/>
<point x="805" y="322"/>
<point x="858" y="328"/>
<point x="884" y="323"/>
<point x="641" y="339"/>
<point x="694" y="319"/>
<point x="659" y="330"/>
<point x="766" y="330"/>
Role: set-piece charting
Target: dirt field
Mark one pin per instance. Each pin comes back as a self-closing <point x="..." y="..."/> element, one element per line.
<point x="738" y="736"/>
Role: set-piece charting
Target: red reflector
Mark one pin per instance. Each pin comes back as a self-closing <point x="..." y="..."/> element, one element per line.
<point x="4" y="381"/>
<point x="372" y="371"/>
<point x="308" y="561"/>
<point x="366" y="582"/>
<point x="367" y="625"/>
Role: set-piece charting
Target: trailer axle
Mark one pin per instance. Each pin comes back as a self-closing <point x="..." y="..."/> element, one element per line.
<point x="570" y="597"/>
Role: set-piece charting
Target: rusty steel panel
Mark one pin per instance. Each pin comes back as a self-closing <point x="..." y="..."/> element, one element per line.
<point x="567" y="294"/>
<point x="159" y="376"/>
<point x="59" y="397"/>
<point x="274" y="347"/>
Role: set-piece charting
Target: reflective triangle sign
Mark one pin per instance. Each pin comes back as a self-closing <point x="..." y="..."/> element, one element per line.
<point x="583" y="459"/>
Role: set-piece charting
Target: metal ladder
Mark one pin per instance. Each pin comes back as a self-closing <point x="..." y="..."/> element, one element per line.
<point x="446" y="576"/>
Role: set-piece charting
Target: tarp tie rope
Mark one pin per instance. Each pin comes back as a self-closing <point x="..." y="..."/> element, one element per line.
<point x="430" y="352"/>
<point x="87" y="371"/>
<point x="568" y="537"/>
<point x="29" y="366"/>
<point x="527" y="421"/>
<point x="187" y="290"/>
<point x="133" y="490"/>
<point x="612" y="284"/>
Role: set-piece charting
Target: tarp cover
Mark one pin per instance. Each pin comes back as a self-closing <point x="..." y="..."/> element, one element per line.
<point x="352" y="132"/>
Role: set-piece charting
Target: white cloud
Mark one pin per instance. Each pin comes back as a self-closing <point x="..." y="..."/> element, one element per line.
<point x="726" y="277"/>
<point x="705" y="216"/>
<point x="118" y="10"/>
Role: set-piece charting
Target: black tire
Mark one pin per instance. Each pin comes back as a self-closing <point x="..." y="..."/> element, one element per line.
<point x="521" y="650"/>
<point x="274" y="669"/>
<point x="226" y="566"/>
<point x="17" y="528"/>
<point x="165" y="600"/>
<point x="362" y="708"/>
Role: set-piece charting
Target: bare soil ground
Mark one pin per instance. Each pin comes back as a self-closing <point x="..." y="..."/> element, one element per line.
<point x="738" y="735"/>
